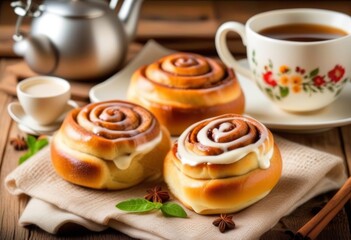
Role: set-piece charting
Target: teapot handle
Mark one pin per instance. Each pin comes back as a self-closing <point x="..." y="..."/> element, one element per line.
<point x="23" y="10"/>
<point x="128" y="14"/>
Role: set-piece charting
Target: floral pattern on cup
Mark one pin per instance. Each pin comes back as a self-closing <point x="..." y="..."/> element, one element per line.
<point x="287" y="80"/>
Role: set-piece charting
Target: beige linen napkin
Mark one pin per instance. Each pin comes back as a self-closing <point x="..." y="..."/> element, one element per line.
<point x="306" y="173"/>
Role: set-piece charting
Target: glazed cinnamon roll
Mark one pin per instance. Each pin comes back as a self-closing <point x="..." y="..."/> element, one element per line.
<point x="183" y="88"/>
<point x="110" y="145"/>
<point x="223" y="164"/>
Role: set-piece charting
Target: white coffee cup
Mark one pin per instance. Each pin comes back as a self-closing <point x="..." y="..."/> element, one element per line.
<point x="295" y="75"/>
<point x="43" y="98"/>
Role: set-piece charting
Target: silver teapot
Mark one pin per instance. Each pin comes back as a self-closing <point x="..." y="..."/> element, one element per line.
<point x="76" y="39"/>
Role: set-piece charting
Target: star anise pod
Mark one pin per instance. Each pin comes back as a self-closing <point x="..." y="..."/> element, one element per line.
<point x="19" y="143"/>
<point x="224" y="222"/>
<point x="156" y="194"/>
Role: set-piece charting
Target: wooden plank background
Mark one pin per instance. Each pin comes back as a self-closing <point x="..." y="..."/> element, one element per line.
<point x="185" y="26"/>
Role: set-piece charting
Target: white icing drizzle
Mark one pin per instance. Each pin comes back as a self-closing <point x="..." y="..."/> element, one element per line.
<point x="222" y="131"/>
<point x="227" y="157"/>
<point x="123" y="161"/>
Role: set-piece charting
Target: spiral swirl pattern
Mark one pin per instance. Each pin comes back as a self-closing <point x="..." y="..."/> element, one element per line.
<point x="112" y="145"/>
<point x="186" y="71"/>
<point x="121" y="129"/>
<point x="224" y="140"/>
<point x="114" y="120"/>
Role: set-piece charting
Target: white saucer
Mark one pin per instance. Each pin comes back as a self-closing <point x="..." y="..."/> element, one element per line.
<point x="257" y="104"/>
<point x="30" y="126"/>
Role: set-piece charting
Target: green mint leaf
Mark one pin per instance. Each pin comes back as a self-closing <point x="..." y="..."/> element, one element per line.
<point x="157" y="205"/>
<point x="173" y="210"/>
<point x="31" y="142"/>
<point x="39" y="144"/>
<point x="24" y="157"/>
<point x="34" y="146"/>
<point x="136" y="205"/>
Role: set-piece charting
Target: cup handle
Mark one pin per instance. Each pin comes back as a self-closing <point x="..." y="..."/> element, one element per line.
<point x="223" y="50"/>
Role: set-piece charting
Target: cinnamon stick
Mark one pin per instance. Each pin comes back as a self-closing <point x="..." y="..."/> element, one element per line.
<point x="313" y="227"/>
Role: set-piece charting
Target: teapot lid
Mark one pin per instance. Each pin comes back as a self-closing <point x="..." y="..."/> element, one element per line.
<point x="76" y="8"/>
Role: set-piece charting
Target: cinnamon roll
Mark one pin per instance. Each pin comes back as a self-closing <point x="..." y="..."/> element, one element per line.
<point x="183" y="88"/>
<point x="110" y="145"/>
<point x="223" y="164"/>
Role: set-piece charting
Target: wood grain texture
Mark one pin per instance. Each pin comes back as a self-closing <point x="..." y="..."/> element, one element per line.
<point x="183" y="26"/>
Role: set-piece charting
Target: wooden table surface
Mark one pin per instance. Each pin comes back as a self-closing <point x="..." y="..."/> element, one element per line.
<point x="192" y="30"/>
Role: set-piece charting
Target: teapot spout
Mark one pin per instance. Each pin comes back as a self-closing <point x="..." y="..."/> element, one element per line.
<point x="20" y="46"/>
<point x="129" y="15"/>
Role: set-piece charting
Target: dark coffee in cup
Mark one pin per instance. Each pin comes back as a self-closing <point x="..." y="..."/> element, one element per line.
<point x="302" y="32"/>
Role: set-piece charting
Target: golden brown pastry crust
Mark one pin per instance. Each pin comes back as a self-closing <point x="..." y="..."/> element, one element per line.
<point x="110" y="145"/>
<point x="212" y="188"/>
<point x="183" y="88"/>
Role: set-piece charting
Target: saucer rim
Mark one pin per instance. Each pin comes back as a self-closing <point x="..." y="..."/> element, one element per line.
<point x="52" y="127"/>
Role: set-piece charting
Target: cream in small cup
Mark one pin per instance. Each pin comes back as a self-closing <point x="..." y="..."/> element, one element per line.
<point x="44" y="98"/>
<point x="298" y="73"/>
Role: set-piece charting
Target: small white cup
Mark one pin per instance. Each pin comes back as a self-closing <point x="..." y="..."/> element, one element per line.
<point x="296" y="76"/>
<point x="43" y="98"/>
